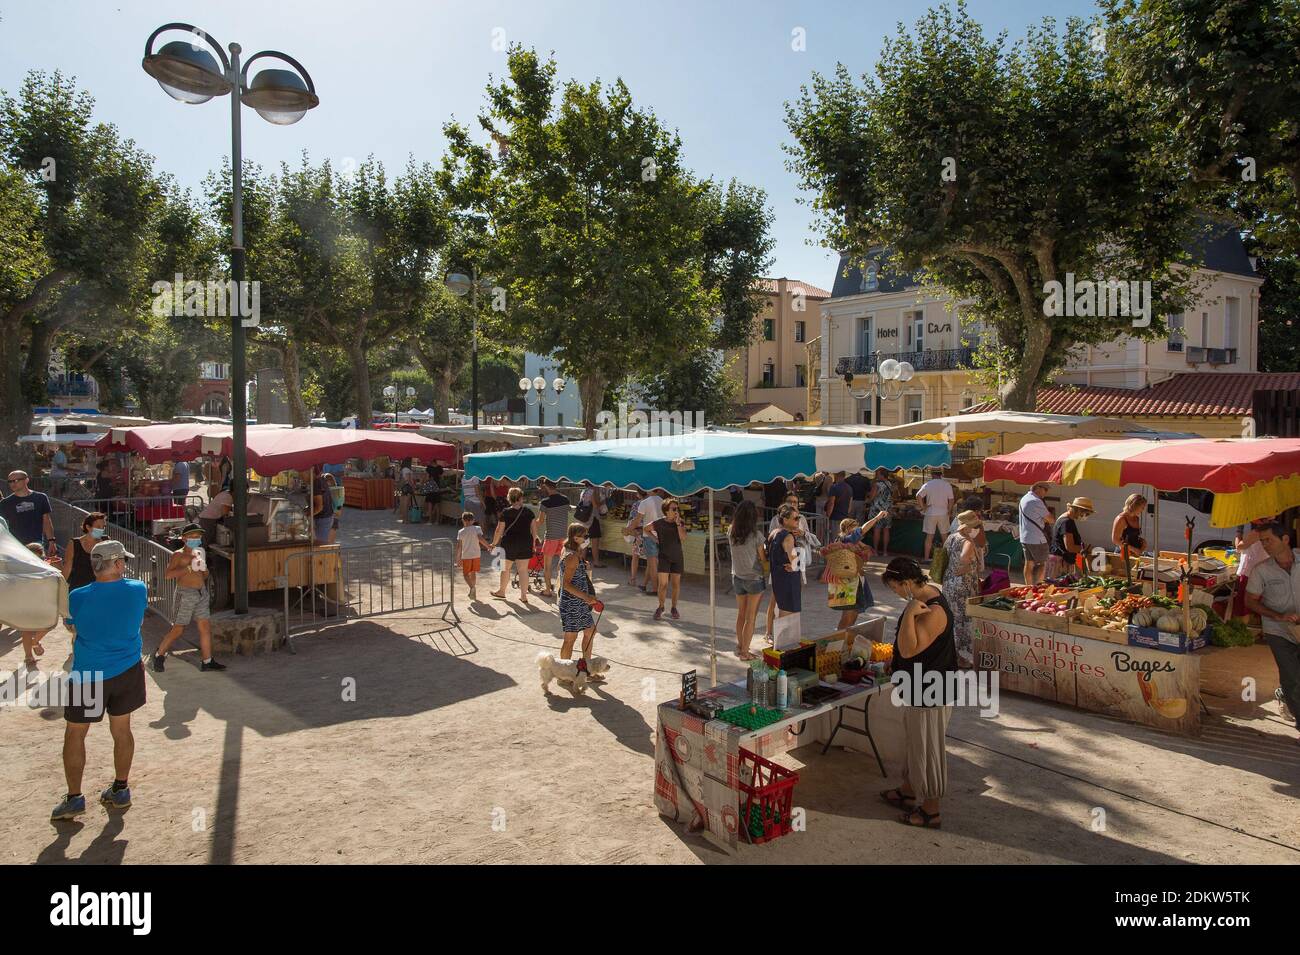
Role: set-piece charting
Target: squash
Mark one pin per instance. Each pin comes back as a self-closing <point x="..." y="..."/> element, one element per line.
<point x="1169" y="624"/>
<point x="1142" y="618"/>
<point x="1200" y="619"/>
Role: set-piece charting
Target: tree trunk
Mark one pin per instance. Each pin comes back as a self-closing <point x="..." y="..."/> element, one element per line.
<point x="591" y="389"/>
<point x="1020" y="392"/>
<point x="360" y="382"/>
<point x="15" y="409"/>
<point x="442" y="383"/>
<point x="293" y="384"/>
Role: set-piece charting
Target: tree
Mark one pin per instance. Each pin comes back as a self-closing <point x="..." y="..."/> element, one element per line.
<point x="441" y="342"/>
<point x="696" y="384"/>
<point x="593" y="227"/>
<point x="994" y="171"/>
<point x="76" y="202"/>
<point x="1222" y="77"/>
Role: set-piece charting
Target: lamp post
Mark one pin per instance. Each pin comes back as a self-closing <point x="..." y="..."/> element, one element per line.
<point x="462" y="285"/>
<point x="189" y="73"/>
<point x="390" y="391"/>
<point x="534" y="390"/>
<point x="886" y="381"/>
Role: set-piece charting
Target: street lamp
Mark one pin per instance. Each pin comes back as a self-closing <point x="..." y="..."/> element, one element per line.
<point x="390" y="391"/>
<point x="886" y="381"/>
<point x="462" y="285"/>
<point x="189" y="73"/>
<point x="534" y="390"/>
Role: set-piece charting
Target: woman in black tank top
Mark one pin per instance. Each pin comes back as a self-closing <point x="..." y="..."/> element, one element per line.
<point x="77" y="569"/>
<point x="925" y="658"/>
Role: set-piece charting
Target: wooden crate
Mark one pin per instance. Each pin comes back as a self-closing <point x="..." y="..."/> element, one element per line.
<point x="1079" y="629"/>
<point x="975" y="608"/>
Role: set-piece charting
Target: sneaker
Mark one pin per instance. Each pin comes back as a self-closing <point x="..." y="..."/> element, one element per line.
<point x="675" y="615"/>
<point x="70" y="808"/>
<point x="659" y="614"/>
<point x="116" y="799"/>
<point x="212" y="665"/>
<point x="159" y="663"/>
<point x="1281" y="699"/>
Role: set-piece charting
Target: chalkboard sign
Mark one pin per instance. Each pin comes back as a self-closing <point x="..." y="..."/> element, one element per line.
<point x="688" y="687"/>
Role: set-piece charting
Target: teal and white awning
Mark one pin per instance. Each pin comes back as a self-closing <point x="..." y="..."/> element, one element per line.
<point x="690" y="462"/>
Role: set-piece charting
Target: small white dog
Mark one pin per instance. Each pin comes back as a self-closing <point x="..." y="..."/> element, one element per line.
<point x="567" y="674"/>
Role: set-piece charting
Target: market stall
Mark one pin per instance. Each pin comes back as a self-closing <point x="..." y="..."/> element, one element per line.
<point x="280" y="528"/>
<point x="1111" y="644"/>
<point x="714" y="748"/>
<point x="978" y="435"/>
<point x="696" y="461"/>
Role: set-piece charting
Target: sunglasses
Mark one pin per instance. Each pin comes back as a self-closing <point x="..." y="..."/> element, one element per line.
<point x="17" y="480"/>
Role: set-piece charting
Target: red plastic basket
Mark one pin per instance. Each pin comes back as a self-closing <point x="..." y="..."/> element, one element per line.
<point x="771" y="790"/>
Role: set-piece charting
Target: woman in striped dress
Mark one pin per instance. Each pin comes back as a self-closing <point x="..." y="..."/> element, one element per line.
<point x="577" y="594"/>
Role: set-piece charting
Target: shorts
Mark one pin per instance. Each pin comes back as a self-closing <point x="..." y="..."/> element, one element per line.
<point x="323" y="527"/>
<point x="669" y="565"/>
<point x="649" y="547"/>
<point x="745" y="586"/>
<point x="935" y="524"/>
<point x="119" y="695"/>
<point x="191" y="604"/>
<point x="552" y="548"/>
<point x="471" y="565"/>
<point x="1035" y="552"/>
<point x="857" y="509"/>
<point x="594" y="531"/>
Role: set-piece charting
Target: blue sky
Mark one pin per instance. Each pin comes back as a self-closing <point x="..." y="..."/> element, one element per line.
<point x="389" y="74"/>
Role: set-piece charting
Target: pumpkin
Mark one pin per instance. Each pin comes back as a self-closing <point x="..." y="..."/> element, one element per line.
<point x="1200" y="619"/>
<point x="1142" y="618"/>
<point x="1169" y="623"/>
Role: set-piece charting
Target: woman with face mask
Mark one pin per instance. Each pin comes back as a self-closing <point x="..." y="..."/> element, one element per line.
<point x="77" y="570"/>
<point x="966" y="547"/>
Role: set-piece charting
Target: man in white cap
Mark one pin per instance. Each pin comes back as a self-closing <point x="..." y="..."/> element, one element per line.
<point x="107" y="673"/>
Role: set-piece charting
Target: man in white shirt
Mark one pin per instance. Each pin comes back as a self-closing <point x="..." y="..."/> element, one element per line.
<point x="936" y="497"/>
<point x="1273" y="592"/>
<point x="1034" y="521"/>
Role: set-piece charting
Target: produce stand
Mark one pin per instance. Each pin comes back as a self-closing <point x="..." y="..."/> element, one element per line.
<point x="1250" y="478"/>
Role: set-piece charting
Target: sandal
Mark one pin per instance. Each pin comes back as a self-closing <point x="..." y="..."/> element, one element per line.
<point x="928" y="821"/>
<point x="897" y="798"/>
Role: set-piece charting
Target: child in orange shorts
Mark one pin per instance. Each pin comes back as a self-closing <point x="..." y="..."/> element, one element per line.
<point x="469" y="549"/>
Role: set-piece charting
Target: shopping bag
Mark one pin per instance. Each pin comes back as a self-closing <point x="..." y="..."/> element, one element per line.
<point x="787" y="632"/>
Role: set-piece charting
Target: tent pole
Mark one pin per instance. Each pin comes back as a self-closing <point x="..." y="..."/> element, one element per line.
<point x="1155" y="568"/>
<point x="713" y="603"/>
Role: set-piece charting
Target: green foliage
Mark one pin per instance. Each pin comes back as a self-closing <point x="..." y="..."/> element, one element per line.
<point x="615" y="259"/>
<point x="992" y="170"/>
<point x="697" y="382"/>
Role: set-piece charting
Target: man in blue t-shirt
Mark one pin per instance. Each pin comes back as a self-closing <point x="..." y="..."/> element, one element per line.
<point x="27" y="512"/>
<point x="107" y="673"/>
<point x="838" y="503"/>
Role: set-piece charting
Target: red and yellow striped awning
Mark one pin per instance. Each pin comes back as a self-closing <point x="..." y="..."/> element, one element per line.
<point x="1250" y="477"/>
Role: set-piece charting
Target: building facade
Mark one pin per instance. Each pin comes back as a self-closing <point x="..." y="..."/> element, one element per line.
<point x="874" y="314"/>
<point x="778" y="367"/>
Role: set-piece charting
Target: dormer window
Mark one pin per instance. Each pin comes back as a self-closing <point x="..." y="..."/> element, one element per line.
<point x="870" y="282"/>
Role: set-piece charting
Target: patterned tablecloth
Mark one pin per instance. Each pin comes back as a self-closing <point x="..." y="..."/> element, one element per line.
<point x="697" y="764"/>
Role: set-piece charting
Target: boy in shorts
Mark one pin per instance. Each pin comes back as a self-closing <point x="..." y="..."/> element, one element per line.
<point x="469" y="549"/>
<point x="188" y="567"/>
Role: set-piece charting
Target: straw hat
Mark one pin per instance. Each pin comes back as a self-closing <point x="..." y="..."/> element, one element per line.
<point x="969" y="519"/>
<point x="1083" y="504"/>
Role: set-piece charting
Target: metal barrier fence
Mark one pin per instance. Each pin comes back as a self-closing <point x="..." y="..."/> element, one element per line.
<point x="332" y="585"/>
<point x="148" y="565"/>
<point x="134" y="512"/>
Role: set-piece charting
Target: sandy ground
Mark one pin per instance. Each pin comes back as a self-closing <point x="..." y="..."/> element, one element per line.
<point x="451" y="753"/>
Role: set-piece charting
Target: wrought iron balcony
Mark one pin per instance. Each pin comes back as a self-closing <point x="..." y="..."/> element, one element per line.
<point x="945" y="359"/>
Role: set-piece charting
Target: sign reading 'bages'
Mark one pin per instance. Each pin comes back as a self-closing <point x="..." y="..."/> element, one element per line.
<point x="1147" y="686"/>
